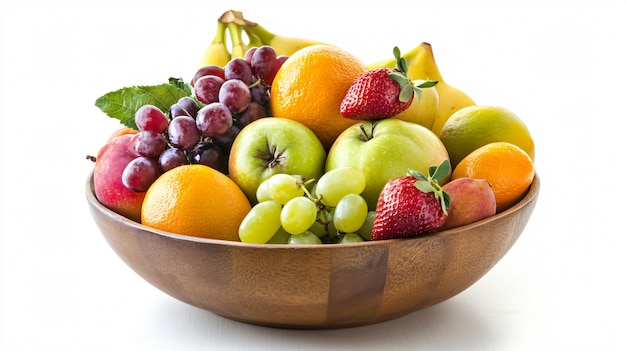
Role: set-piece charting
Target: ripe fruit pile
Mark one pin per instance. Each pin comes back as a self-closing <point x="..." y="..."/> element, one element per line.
<point x="202" y="130"/>
<point x="387" y="150"/>
<point x="293" y="210"/>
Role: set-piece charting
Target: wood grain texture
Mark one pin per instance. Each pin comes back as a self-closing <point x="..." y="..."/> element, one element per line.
<point x="314" y="286"/>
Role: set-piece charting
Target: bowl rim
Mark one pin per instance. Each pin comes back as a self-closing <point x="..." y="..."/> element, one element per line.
<point x="528" y="197"/>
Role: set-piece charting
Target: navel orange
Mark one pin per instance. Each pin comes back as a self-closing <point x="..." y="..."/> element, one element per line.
<point x="310" y="86"/>
<point x="508" y="169"/>
<point x="195" y="200"/>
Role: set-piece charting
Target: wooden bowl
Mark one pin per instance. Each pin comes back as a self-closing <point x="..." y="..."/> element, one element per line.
<point x="314" y="286"/>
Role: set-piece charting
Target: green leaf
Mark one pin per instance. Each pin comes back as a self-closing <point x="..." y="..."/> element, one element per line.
<point x="406" y="93"/>
<point x="424" y="186"/>
<point x="417" y="175"/>
<point x="428" y="84"/>
<point x="180" y="83"/>
<point x="123" y="103"/>
<point x="442" y="170"/>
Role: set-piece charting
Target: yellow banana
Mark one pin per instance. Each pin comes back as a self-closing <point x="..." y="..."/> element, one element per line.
<point x="253" y="40"/>
<point x="421" y="64"/>
<point x="281" y="44"/>
<point x="239" y="48"/>
<point x="216" y="53"/>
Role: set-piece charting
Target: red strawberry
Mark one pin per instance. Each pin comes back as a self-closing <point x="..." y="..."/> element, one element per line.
<point x="412" y="204"/>
<point x="381" y="93"/>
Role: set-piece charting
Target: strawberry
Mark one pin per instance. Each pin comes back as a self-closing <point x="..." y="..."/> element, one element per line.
<point x="381" y="93"/>
<point x="411" y="205"/>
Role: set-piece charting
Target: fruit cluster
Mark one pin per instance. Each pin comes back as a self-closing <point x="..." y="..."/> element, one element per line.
<point x="201" y="129"/>
<point x="418" y="155"/>
<point x="293" y="210"/>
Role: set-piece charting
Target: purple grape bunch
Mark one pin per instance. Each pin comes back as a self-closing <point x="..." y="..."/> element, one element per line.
<point x="201" y="129"/>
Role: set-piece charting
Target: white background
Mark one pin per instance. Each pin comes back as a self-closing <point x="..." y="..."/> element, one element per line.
<point x="558" y="65"/>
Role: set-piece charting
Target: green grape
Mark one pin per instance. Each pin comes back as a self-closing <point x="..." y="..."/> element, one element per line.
<point x="366" y="229"/>
<point x="318" y="228"/>
<point x="306" y="238"/>
<point x="351" y="238"/>
<point x="262" y="192"/>
<point x="350" y="213"/>
<point x="339" y="182"/>
<point x="298" y="215"/>
<point x="330" y="228"/>
<point x="281" y="237"/>
<point x="261" y="223"/>
<point x="284" y="187"/>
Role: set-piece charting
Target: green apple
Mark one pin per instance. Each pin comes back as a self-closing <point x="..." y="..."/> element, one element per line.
<point x="274" y="145"/>
<point x="384" y="150"/>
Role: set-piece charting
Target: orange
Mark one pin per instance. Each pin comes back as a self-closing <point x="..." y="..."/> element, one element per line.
<point x="195" y="200"/>
<point x="505" y="166"/>
<point x="474" y="126"/>
<point x="309" y="88"/>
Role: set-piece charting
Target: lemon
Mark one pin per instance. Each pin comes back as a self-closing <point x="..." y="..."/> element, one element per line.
<point x="474" y="126"/>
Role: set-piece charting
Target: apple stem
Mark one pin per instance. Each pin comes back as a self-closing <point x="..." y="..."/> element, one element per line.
<point x="368" y="136"/>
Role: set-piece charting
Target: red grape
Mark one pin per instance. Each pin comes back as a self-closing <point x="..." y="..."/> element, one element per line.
<point x="172" y="158"/>
<point x="214" y="120"/>
<point x="207" y="89"/>
<point x="149" y="144"/>
<point x="263" y="61"/>
<point x="269" y="78"/>
<point x="149" y="117"/>
<point x="252" y="113"/>
<point x="140" y="173"/>
<point x="235" y="94"/>
<point x="211" y="155"/>
<point x="183" y="132"/>
<point x="189" y="105"/>
<point x="238" y="68"/>
<point x="207" y="71"/>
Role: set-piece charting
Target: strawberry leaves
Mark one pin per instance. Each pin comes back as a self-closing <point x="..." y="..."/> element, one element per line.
<point x="407" y="86"/>
<point x="430" y="183"/>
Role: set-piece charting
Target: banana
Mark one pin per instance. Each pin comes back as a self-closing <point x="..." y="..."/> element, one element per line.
<point x="422" y="66"/>
<point x="216" y="53"/>
<point x="282" y="45"/>
<point x="253" y="40"/>
<point x="239" y="48"/>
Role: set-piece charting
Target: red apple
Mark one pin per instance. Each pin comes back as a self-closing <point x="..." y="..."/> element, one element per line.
<point x="470" y="200"/>
<point x="107" y="177"/>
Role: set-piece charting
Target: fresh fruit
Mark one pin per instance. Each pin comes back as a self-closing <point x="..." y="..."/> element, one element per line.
<point x="423" y="110"/>
<point x="475" y="126"/>
<point x="282" y="187"/>
<point x="306" y="238"/>
<point x="508" y="169"/>
<point x="282" y="45"/>
<point x="140" y="173"/>
<point x="111" y="160"/>
<point x="261" y="223"/>
<point x="298" y="215"/>
<point x="422" y="65"/>
<point x="195" y="200"/>
<point x="310" y="86"/>
<point x="350" y="213"/>
<point x="333" y="185"/>
<point x="470" y="200"/>
<point x="384" y="150"/>
<point x="274" y="145"/>
<point x="412" y="204"/>
<point x="216" y="53"/>
<point x="381" y="93"/>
